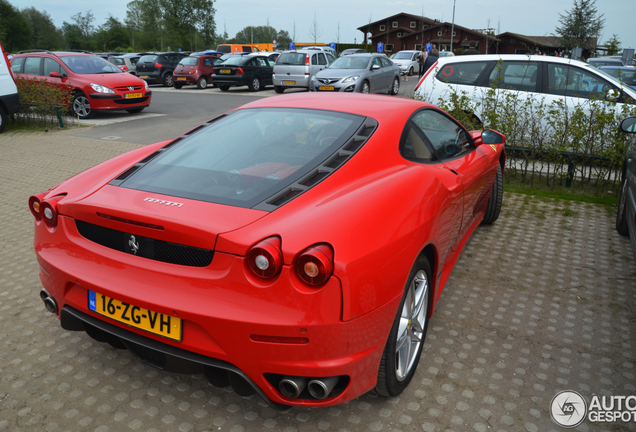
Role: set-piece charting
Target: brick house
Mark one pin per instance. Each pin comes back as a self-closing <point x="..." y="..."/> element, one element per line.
<point x="408" y="32"/>
<point x="514" y="43"/>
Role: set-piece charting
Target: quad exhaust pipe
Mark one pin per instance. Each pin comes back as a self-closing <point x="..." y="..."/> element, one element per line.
<point x="291" y="387"/>
<point x="321" y="387"/>
<point x="49" y="302"/>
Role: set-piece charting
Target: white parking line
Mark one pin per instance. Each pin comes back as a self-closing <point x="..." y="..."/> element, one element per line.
<point x="112" y="118"/>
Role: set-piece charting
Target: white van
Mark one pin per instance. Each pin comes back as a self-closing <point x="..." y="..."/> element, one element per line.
<point x="9" y="101"/>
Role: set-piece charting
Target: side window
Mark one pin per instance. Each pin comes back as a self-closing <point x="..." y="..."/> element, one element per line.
<point x="386" y="62"/>
<point x="261" y="62"/>
<point x="576" y="82"/>
<point x="376" y="61"/>
<point x="32" y="65"/>
<point x="448" y="138"/>
<point x="462" y="73"/>
<point x="51" y="65"/>
<point x="322" y="60"/>
<point x="414" y="145"/>
<point x="16" y="65"/>
<point x="330" y="58"/>
<point x="207" y="61"/>
<point x="515" y="76"/>
<point x="247" y="49"/>
<point x="252" y="62"/>
<point x="314" y="59"/>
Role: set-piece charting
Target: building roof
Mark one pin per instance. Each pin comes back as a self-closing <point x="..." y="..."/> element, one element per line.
<point x="401" y="14"/>
<point x="544" y="41"/>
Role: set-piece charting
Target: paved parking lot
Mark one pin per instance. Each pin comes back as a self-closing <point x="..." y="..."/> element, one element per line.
<point x="542" y="301"/>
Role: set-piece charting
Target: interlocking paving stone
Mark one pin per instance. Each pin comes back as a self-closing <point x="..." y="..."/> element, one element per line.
<point x="539" y="302"/>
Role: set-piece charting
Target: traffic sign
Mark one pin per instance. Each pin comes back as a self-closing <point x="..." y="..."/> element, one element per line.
<point x="380" y="47"/>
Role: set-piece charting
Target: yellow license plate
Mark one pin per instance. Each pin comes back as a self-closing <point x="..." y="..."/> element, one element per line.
<point x="132" y="95"/>
<point x="327" y="88"/>
<point x="226" y="71"/>
<point x="289" y="82"/>
<point x="181" y="78"/>
<point x="143" y="76"/>
<point x="135" y="316"/>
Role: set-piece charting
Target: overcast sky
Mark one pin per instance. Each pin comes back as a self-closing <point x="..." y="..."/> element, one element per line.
<point x="531" y="18"/>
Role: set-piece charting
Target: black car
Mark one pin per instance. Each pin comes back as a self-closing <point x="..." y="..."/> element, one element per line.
<point x="254" y="71"/>
<point x="626" y="216"/>
<point x="157" y="68"/>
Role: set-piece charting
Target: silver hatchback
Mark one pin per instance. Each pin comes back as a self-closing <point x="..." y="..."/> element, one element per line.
<point x="296" y="68"/>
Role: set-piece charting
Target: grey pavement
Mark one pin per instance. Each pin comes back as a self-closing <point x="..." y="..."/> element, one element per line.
<point x="541" y="301"/>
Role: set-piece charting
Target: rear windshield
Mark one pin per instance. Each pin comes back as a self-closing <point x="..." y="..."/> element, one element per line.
<point x="118" y="61"/>
<point x="89" y="64"/>
<point x="297" y="59"/>
<point x="133" y="60"/>
<point x="234" y="60"/>
<point x="189" y="61"/>
<point x="246" y="156"/>
<point x="148" y="59"/>
<point x="350" y="63"/>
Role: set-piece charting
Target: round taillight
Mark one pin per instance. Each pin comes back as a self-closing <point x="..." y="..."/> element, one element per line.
<point x="35" y="202"/>
<point x="48" y="212"/>
<point x="265" y="258"/>
<point x="315" y="265"/>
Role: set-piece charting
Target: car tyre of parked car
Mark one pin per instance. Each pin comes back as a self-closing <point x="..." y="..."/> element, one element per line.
<point x="496" y="198"/>
<point x="177" y="85"/>
<point x="202" y="83"/>
<point x="255" y="84"/>
<point x="135" y="110"/>
<point x="167" y="79"/>
<point x="395" y="87"/>
<point x="366" y="88"/>
<point x="81" y="106"/>
<point x="406" y="339"/>
<point x="411" y="71"/>
<point x="279" y="89"/>
<point x="3" y="119"/>
<point x="621" y="214"/>
<point x="224" y="87"/>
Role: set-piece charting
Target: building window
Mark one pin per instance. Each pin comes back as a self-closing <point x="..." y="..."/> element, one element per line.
<point x="382" y="27"/>
<point x="418" y="47"/>
<point x="439" y="33"/>
<point x="399" y="34"/>
<point x="395" y="24"/>
<point x="388" y="47"/>
<point x="454" y="33"/>
<point x="413" y="24"/>
<point x="425" y="26"/>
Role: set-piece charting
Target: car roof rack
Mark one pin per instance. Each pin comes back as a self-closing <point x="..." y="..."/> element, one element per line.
<point x="34" y="50"/>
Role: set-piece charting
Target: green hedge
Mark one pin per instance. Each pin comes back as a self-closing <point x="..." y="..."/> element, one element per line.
<point x="40" y="102"/>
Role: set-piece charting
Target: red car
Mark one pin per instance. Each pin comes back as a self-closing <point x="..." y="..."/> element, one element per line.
<point x="95" y="84"/>
<point x="286" y="247"/>
<point x="196" y="69"/>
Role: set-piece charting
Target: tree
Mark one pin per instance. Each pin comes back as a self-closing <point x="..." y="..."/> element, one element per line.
<point x="581" y="26"/>
<point x="73" y="36"/>
<point x="111" y="35"/>
<point x="613" y="45"/>
<point x="44" y="33"/>
<point x="15" y="30"/>
<point x="134" y="19"/>
<point x="314" y="30"/>
<point x="260" y="34"/>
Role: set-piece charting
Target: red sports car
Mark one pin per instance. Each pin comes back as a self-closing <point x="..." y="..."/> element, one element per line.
<point x="295" y="247"/>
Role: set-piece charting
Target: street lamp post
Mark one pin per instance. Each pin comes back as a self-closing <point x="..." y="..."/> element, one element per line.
<point x="452" y="27"/>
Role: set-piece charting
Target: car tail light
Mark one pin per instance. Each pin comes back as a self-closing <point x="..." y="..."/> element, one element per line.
<point x="35" y="203"/>
<point x="48" y="212"/>
<point x="306" y="59"/>
<point x="315" y="265"/>
<point x="157" y="65"/>
<point x="265" y="258"/>
<point x="8" y="63"/>
<point x="425" y="75"/>
<point x="239" y="71"/>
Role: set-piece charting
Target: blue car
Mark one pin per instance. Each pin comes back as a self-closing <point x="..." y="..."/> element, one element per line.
<point x="626" y="216"/>
<point x="627" y="74"/>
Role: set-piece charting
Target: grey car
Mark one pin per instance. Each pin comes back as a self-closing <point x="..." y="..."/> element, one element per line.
<point x="126" y="62"/>
<point x="407" y="61"/>
<point x="296" y="68"/>
<point x="360" y="73"/>
<point x="626" y="215"/>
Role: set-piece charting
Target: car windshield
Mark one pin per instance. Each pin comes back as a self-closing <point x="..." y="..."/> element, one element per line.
<point x="189" y="61"/>
<point x="247" y="156"/>
<point x="297" y="59"/>
<point x="350" y="63"/>
<point x="403" y="56"/>
<point x="89" y="64"/>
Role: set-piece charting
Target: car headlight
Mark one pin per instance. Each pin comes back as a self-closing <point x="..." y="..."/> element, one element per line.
<point x="146" y="85"/>
<point x="101" y="89"/>
<point x="350" y="79"/>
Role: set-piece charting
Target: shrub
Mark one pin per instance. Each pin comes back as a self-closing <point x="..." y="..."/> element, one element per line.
<point x="40" y="102"/>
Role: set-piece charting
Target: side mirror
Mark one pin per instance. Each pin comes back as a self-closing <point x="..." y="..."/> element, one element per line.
<point x="55" y="75"/>
<point x="375" y="67"/>
<point x="613" y="94"/>
<point x="490" y="136"/>
<point x="629" y="124"/>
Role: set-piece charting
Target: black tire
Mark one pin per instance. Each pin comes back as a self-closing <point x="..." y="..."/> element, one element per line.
<point x="621" y="214"/>
<point x="411" y="71"/>
<point x="496" y="198"/>
<point x="202" y="83"/>
<point x="224" y="87"/>
<point x="279" y="89"/>
<point x="135" y="110"/>
<point x="167" y="80"/>
<point x="395" y="87"/>
<point x="81" y="107"/>
<point x="366" y="88"/>
<point x="3" y="119"/>
<point x="396" y="372"/>
<point x="177" y="85"/>
<point x="255" y="84"/>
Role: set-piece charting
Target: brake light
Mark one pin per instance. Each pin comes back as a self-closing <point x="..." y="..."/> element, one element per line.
<point x="35" y="202"/>
<point x="48" y="211"/>
<point x="315" y="265"/>
<point x="239" y="71"/>
<point x="157" y="65"/>
<point x="6" y="59"/>
<point x="306" y="59"/>
<point x="265" y="258"/>
<point x="425" y="75"/>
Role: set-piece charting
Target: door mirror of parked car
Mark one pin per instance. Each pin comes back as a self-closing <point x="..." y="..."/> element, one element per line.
<point x="613" y="94"/>
<point x="490" y="136"/>
<point x="629" y="125"/>
<point x="55" y="75"/>
<point x="375" y="67"/>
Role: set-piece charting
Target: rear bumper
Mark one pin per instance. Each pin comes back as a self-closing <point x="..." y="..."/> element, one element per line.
<point x="299" y="80"/>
